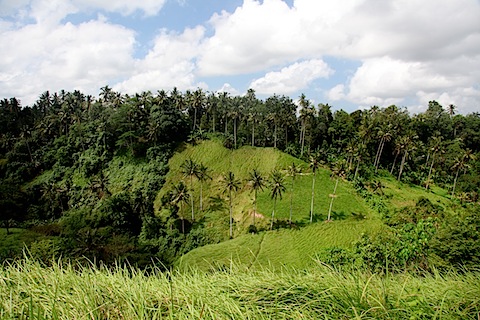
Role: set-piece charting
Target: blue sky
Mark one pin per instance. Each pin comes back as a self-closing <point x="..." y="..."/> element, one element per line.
<point x="351" y="53"/>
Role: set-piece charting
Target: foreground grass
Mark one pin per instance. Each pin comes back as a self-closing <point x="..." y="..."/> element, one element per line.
<point x="28" y="290"/>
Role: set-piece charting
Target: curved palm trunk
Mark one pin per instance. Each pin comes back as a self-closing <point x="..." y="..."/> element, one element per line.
<point x="430" y="172"/>
<point x="394" y="162"/>
<point x="402" y="164"/>
<point x="455" y="182"/>
<point x="331" y="201"/>
<point x="313" y="195"/>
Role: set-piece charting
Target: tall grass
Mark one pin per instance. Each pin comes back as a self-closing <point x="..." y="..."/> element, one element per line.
<point x="30" y="291"/>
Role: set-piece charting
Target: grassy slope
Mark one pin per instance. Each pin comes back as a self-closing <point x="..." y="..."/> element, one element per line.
<point x="290" y="248"/>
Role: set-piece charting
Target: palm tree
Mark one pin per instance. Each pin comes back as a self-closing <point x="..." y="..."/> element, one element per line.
<point x="202" y="174"/>
<point x="231" y="184"/>
<point x="314" y="164"/>
<point x="257" y="182"/>
<point x="338" y="171"/>
<point x="407" y="145"/>
<point x="385" y="136"/>
<point x="293" y="171"/>
<point x="277" y="188"/>
<point x="436" y="144"/>
<point x="189" y="168"/>
<point x="180" y="195"/>
<point x="461" y="164"/>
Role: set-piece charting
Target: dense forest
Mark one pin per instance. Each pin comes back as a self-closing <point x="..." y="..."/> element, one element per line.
<point x="57" y="157"/>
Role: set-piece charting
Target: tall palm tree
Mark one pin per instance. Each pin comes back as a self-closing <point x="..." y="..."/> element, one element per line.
<point x="407" y="145"/>
<point x="461" y="164"/>
<point x="314" y="164"/>
<point x="293" y="171"/>
<point x="180" y="195"/>
<point x="436" y="145"/>
<point x="189" y="168"/>
<point x="202" y="175"/>
<point x="338" y="171"/>
<point x="231" y="184"/>
<point x="277" y="188"/>
<point x="257" y="182"/>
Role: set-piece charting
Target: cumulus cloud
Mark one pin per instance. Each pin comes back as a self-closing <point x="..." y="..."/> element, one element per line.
<point x="292" y="78"/>
<point x="227" y="87"/>
<point x="63" y="57"/>
<point x="170" y="63"/>
<point x="125" y="7"/>
<point x="405" y="46"/>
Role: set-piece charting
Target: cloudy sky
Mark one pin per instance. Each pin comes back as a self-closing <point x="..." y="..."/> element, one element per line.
<point x="348" y="53"/>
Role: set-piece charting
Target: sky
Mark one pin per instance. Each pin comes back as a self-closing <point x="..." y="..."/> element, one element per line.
<point x="350" y="54"/>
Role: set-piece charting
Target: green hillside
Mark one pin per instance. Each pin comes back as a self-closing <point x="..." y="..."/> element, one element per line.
<point x="296" y="247"/>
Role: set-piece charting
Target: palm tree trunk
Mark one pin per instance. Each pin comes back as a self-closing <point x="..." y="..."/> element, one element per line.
<point x="313" y="195"/>
<point x="402" y="164"/>
<point x="455" y="182"/>
<point x="394" y="162"/>
<point x="275" y="136"/>
<point x="430" y="172"/>
<point x="331" y="201"/>
<point x="235" y="131"/>
<point x="254" y="206"/>
<point x="201" y="196"/>
<point x="273" y="212"/>
<point x="356" y="170"/>
<point x="191" y="197"/>
<point x="231" y="215"/>
<point x="291" y="202"/>
<point x="253" y="134"/>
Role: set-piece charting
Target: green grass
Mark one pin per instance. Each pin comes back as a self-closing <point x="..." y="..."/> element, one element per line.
<point x="30" y="291"/>
<point x="13" y="244"/>
<point x="284" y="248"/>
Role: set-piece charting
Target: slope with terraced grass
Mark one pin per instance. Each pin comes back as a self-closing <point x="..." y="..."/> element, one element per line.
<point x="296" y="247"/>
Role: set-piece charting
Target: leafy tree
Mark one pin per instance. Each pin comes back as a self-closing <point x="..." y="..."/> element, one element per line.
<point x="257" y="182"/>
<point x="231" y="184"/>
<point x="277" y="188"/>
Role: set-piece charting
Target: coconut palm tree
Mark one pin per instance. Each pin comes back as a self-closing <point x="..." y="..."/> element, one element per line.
<point x="293" y="171"/>
<point x="257" y="182"/>
<point x="277" y="188"/>
<point x="231" y="184"/>
<point x="436" y="145"/>
<point x="461" y="164"/>
<point x="202" y="175"/>
<point x="189" y="168"/>
<point x="338" y="171"/>
<point x="314" y="164"/>
<point x="180" y="196"/>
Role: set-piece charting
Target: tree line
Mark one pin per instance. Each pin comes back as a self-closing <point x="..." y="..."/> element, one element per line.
<point x="69" y="132"/>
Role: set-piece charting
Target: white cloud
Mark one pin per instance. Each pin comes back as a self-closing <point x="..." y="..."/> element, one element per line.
<point x="124" y="7"/>
<point x="170" y="63"/>
<point x="292" y="78"/>
<point x="65" y="56"/>
<point x="227" y="87"/>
